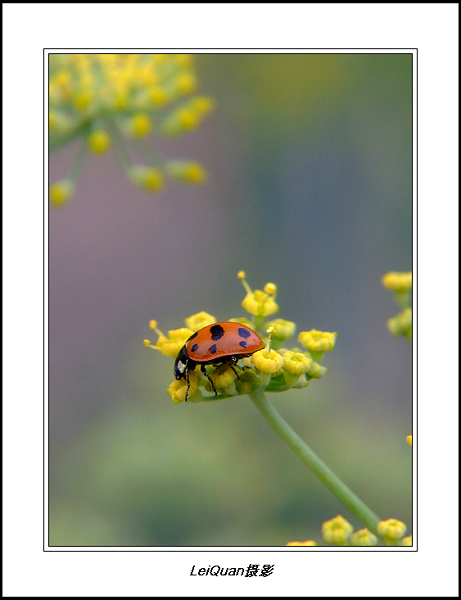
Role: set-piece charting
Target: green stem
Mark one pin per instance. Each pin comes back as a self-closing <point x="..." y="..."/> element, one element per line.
<point x="334" y="484"/>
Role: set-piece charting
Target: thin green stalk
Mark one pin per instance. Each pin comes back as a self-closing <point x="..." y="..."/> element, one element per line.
<point x="332" y="481"/>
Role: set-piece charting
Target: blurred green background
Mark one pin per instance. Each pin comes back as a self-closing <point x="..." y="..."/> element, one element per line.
<point x="310" y="187"/>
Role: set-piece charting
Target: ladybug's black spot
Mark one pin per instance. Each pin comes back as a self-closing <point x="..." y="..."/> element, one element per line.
<point x="213" y="349"/>
<point x="216" y="332"/>
<point x="243" y="344"/>
<point x="245" y="333"/>
<point x="194" y="348"/>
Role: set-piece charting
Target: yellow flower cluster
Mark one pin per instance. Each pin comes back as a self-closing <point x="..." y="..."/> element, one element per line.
<point x="108" y="98"/>
<point x="401" y="285"/>
<point x="339" y="532"/>
<point x="274" y="368"/>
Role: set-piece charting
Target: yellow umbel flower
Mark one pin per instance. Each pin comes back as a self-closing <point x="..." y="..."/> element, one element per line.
<point x="130" y="95"/>
<point x="363" y="537"/>
<point x="229" y="364"/>
<point x="336" y="531"/>
<point x="306" y="543"/>
<point x="391" y="529"/>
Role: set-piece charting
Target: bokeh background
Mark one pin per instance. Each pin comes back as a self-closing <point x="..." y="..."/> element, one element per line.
<point x="310" y="187"/>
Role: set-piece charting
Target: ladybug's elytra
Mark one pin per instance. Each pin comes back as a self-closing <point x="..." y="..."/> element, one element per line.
<point x="219" y="343"/>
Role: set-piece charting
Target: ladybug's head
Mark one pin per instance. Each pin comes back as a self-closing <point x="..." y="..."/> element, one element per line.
<point x="181" y="364"/>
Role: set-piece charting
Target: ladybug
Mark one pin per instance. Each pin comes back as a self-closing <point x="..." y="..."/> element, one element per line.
<point x="216" y="344"/>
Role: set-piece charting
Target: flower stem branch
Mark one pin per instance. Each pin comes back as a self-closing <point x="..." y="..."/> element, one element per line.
<point x="325" y="474"/>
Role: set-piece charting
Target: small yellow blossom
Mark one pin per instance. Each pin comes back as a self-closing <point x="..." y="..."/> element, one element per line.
<point x="201" y="319"/>
<point x="318" y="341"/>
<point x="247" y="382"/>
<point x="260" y="304"/>
<point x="268" y="361"/>
<point x="139" y="125"/>
<point x="271" y="288"/>
<point x="397" y="282"/>
<point x="296" y="363"/>
<point x="83" y="99"/>
<point x="402" y="324"/>
<point x="317" y="371"/>
<point x="171" y="345"/>
<point x="223" y="377"/>
<point x="391" y="529"/>
<point x="178" y="388"/>
<point x="158" y="96"/>
<point x="306" y="543"/>
<point x="149" y="178"/>
<point x="189" y="171"/>
<point x="407" y="541"/>
<point x="186" y="83"/>
<point x="409" y="439"/>
<point x="61" y="192"/>
<point x="363" y="537"/>
<point x="99" y="142"/>
<point x="336" y="531"/>
<point x="282" y="329"/>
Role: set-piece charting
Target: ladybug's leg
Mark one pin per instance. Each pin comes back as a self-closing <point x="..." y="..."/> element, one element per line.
<point x="231" y="366"/>
<point x="202" y="368"/>
<point x="188" y="387"/>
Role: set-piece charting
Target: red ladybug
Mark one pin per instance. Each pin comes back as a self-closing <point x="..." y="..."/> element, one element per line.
<point x="219" y="343"/>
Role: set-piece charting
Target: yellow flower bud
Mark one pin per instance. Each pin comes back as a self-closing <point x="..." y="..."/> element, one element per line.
<point x="201" y="319"/>
<point x="318" y="341"/>
<point x="188" y="171"/>
<point x="407" y="541"/>
<point x="60" y="192"/>
<point x="260" y="304"/>
<point x="268" y="362"/>
<point x="306" y="543"/>
<point x="223" y="376"/>
<point x="397" y="282"/>
<point x="296" y="363"/>
<point x="139" y="125"/>
<point x="270" y="288"/>
<point x="402" y="324"/>
<point x="282" y="329"/>
<point x="99" y="142"/>
<point x="409" y="439"/>
<point x="170" y="346"/>
<point x="336" y="531"/>
<point x="149" y="178"/>
<point x="178" y="388"/>
<point x="363" y="537"/>
<point x="391" y="529"/>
